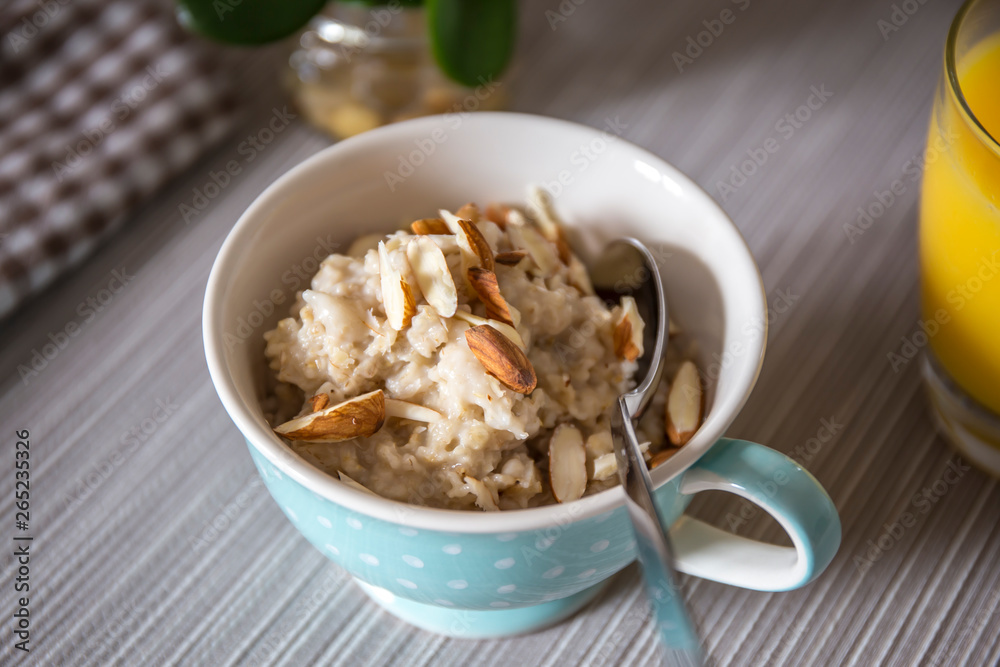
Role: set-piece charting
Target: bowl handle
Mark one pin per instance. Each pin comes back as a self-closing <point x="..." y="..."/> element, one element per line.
<point x="786" y="491"/>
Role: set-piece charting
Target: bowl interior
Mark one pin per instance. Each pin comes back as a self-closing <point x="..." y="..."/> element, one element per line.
<point x="602" y="186"/>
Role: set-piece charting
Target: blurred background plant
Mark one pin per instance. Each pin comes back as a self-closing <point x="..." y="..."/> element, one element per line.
<point x="359" y="64"/>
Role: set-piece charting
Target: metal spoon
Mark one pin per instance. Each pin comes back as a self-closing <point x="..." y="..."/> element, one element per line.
<point x="627" y="267"/>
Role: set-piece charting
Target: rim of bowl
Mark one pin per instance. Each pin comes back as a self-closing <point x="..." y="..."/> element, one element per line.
<point x="404" y="514"/>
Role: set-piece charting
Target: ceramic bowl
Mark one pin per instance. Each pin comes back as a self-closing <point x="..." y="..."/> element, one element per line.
<point x="490" y="574"/>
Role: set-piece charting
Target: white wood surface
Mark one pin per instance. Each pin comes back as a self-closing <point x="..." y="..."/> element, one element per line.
<point x="119" y="576"/>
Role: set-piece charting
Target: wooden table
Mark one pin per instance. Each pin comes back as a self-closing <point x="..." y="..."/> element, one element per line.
<point x="155" y="544"/>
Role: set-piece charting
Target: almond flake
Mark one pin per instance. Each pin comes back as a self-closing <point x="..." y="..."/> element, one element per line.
<point x="579" y="277"/>
<point x="567" y="464"/>
<point x="542" y="253"/>
<point x="504" y="328"/>
<point x="397" y="298"/>
<point x="605" y="466"/>
<point x="469" y="212"/>
<point x="350" y="482"/>
<point x="429" y="226"/>
<point x="358" y="417"/>
<point x="451" y="220"/>
<point x="412" y="411"/>
<point x="501" y="358"/>
<point x="485" y="284"/>
<point x="433" y="275"/>
<point x="510" y="258"/>
<point x="497" y="214"/>
<point x="319" y="401"/>
<point x="685" y="404"/>
<point x="662" y="456"/>
<point x="471" y="240"/>
<point x="486" y="498"/>
<point x="540" y="205"/>
<point x="515" y="315"/>
<point x="628" y="331"/>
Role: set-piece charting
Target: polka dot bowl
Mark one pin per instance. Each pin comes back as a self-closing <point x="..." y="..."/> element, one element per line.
<point x="491" y="574"/>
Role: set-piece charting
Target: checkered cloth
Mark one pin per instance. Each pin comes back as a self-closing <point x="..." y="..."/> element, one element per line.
<point x="101" y="102"/>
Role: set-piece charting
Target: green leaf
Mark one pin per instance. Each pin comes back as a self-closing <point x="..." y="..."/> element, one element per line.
<point x="246" y="22"/>
<point x="472" y="40"/>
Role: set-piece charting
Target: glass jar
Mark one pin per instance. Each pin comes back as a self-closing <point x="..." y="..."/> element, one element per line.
<point x="356" y="68"/>
<point x="960" y="239"/>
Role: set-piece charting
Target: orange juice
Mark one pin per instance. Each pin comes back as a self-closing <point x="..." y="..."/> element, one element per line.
<point x="960" y="225"/>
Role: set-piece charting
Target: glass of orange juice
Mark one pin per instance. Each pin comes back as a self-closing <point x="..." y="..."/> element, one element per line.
<point x="960" y="238"/>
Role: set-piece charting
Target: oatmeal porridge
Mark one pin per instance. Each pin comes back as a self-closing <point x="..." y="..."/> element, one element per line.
<point x="467" y="363"/>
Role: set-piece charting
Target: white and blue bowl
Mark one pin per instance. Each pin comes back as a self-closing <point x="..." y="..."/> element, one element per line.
<point x="477" y="574"/>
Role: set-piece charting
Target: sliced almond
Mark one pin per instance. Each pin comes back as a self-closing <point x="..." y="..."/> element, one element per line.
<point x="406" y="410"/>
<point x="486" y="498"/>
<point x="515" y="218"/>
<point x="469" y="212"/>
<point x="497" y="214"/>
<point x="363" y="244"/>
<point x="672" y="329"/>
<point x="350" y="482"/>
<point x="515" y="316"/>
<point x="471" y="240"/>
<point x="429" y="226"/>
<point x="358" y="417"/>
<point x="510" y="258"/>
<point x="540" y="204"/>
<point x="662" y="456"/>
<point x="628" y="331"/>
<point x="433" y="275"/>
<point x="567" y="463"/>
<point x="319" y="401"/>
<point x="485" y="284"/>
<point x="542" y="253"/>
<point x="579" y="277"/>
<point x="605" y="466"/>
<point x="685" y="404"/>
<point x="397" y="298"/>
<point x="504" y="328"/>
<point x="451" y="220"/>
<point x="501" y="358"/>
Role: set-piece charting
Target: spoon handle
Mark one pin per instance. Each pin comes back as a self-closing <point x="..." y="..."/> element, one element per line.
<point x="656" y="555"/>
